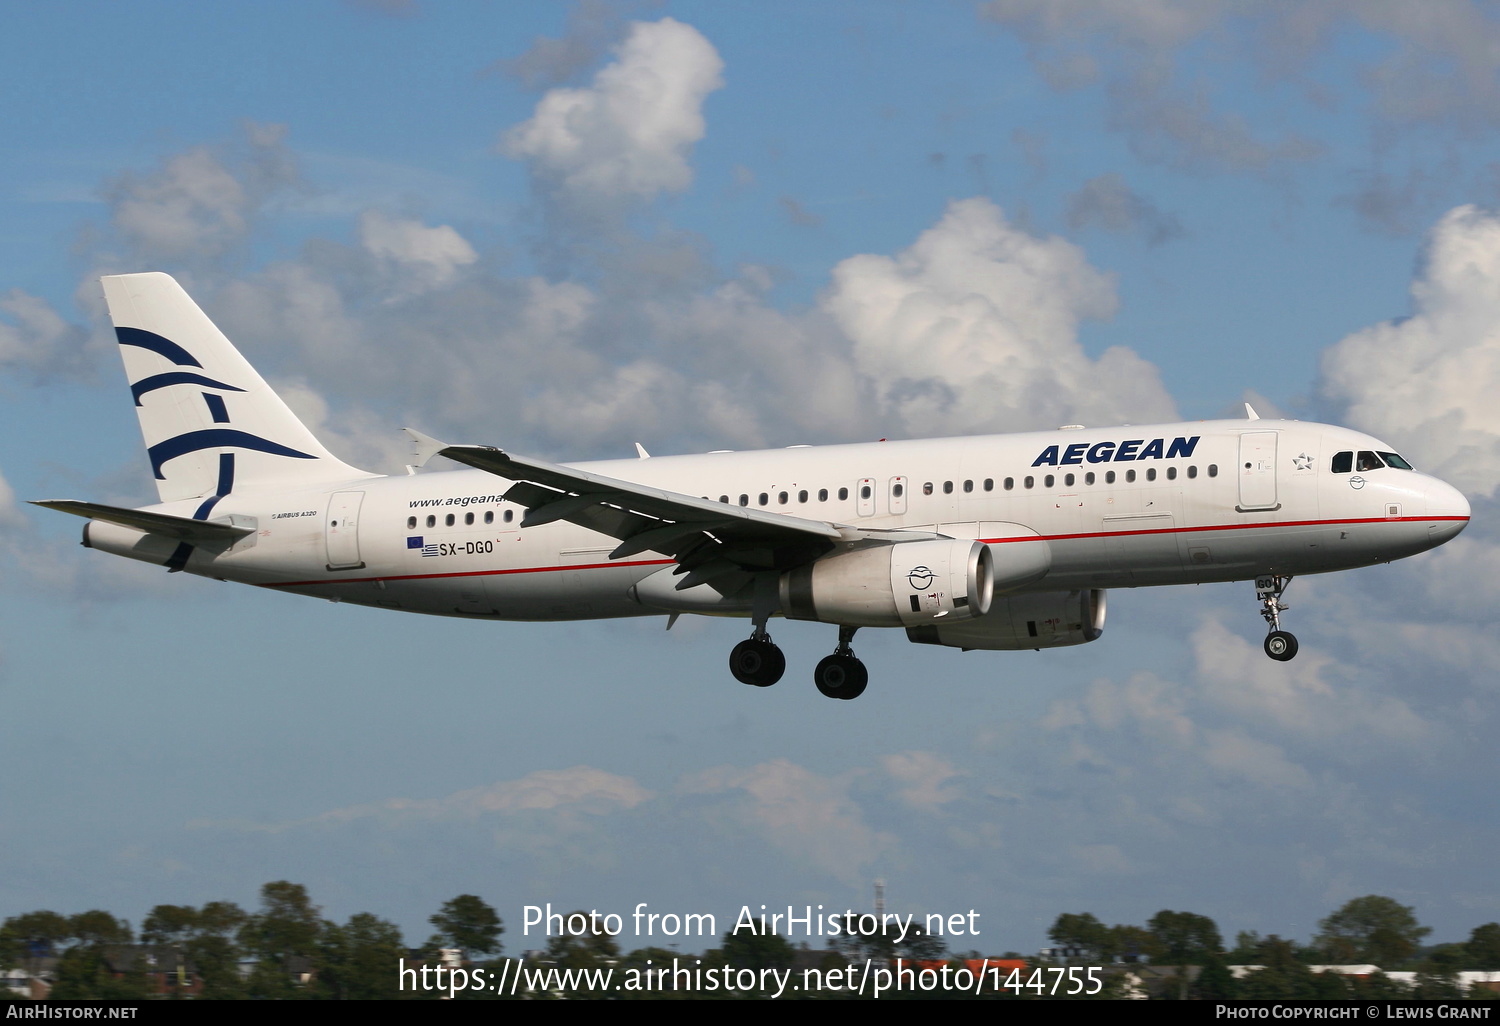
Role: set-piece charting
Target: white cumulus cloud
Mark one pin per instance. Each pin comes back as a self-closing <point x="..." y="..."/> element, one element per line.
<point x="578" y="789"/>
<point x="1427" y="383"/>
<point x="807" y="816"/>
<point x="201" y="202"/>
<point x="35" y="338"/>
<point x="10" y="513"/>
<point x="424" y="257"/>
<point x="628" y="134"/>
<point x="974" y="327"/>
<point x="925" y="778"/>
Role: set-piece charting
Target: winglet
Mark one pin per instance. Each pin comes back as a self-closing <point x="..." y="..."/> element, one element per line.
<point x="640" y="451"/>
<point x="1250" y="413"/>
<point x="424" y="447"/>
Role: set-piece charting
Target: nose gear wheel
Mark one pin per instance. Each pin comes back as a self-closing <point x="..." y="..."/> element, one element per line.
<point x="1280" y="645"/>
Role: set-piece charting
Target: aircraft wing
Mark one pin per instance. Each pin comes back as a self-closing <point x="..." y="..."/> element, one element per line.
<point x="708" y="539"/>
<point x="198" y="532"/>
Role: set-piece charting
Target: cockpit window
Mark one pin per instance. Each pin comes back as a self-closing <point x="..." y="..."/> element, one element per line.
<point x="1392" y="460"/>
<point x="1368" y="461"/>
<point x="1343" y="462"/>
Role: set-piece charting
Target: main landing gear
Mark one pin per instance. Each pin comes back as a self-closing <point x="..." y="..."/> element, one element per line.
<point x="758" y="662"/>
<point x="1280" y="645"/>
<point x="841" y="675"/>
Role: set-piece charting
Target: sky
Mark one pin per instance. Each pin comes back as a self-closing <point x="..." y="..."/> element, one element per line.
<point x="565" y="229"/>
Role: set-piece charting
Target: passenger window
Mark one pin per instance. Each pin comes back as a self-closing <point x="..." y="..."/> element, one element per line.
<point x="489" y="516"/>
<point x="724" y="499"/>
<point x="1109" y="477"/>
<point x="1068" y="480"/>
<point x="1088" y="478"/>
<point x="1213" y="470"/>
<point x="989" y="484"/>
<point x="802" y="496"/>
<point x="781" y="498"/>
<point x="1368" y="461"/>
<point x="1010" y="483"/>
<point x="843" y="494"/>
<point x="448" y="520"/>
<point x="1171" y="473"/>
<point x="947" y="487"/>
<point x="822" y="494"/>
<point x="764" y="498"/>
<point x="968" y="486"/>
<point x="744" y="500"/>
<point x="1029" y="482"/>
<point x="1192" y="472"/>
<point x="1048" y="480"/>
<point x="927" y="488"/>
<point x="510" y="515"/>
<point x="431" y="521"/>
<point x="1151" y="474"/>
<point x="411" y="523"/>
<point x="864" y="491"/>
<point x="1130" y="477"/>
<point x="468" y="519"/>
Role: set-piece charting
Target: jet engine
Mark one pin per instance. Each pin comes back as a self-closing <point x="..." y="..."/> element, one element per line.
<point x="894" y="584"/>
<point x="1048" y="619"/>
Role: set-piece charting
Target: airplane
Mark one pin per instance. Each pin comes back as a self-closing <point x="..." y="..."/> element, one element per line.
<point x="1000" y="542"/>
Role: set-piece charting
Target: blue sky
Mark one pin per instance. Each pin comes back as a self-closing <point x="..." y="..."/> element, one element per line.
<point x="1170" y="208"/>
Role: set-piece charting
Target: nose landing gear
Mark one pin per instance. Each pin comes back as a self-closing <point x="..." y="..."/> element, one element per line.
<point x="841" y="675"/>
<point x="1280" y="645"/>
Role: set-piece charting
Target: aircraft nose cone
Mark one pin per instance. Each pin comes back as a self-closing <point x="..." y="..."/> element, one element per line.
<point x="1448" y="508"/>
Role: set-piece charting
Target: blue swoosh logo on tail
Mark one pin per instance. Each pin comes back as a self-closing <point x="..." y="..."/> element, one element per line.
<point x="156" y="381"/>
<point x="143" y="339"/>
<point x="213" y="438"/>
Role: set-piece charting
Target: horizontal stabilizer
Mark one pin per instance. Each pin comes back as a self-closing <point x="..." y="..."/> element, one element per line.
<point x="198" y="532"/>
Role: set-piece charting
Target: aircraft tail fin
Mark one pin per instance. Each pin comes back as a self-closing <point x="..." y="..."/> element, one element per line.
<point x="210" y="422"/>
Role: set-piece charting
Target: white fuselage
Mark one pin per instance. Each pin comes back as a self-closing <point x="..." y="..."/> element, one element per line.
<point x="1186" y="503"/>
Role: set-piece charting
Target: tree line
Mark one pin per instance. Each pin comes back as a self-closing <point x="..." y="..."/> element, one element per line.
<point x="1372" y="930"/>
<point x="286" y="949"/>
<point x="283" y="950"/>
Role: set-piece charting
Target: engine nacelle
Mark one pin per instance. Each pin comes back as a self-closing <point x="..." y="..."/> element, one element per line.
<point x="1048" y="619"/>
<point x="893" y="585"/>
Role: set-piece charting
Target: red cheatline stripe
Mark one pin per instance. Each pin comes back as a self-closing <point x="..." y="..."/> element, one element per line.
<point x="474" y="573"/>
<point x="988" y="541"/>
<point x="1223" y="527"/>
